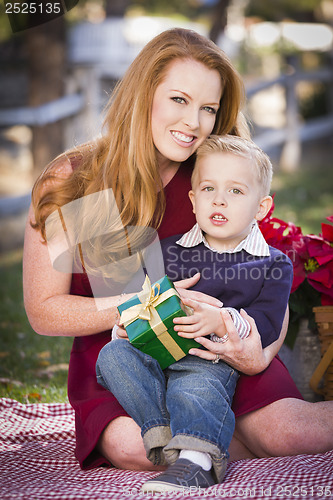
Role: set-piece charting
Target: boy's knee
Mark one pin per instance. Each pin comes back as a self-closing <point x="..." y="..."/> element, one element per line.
<point x="112" y="351"/>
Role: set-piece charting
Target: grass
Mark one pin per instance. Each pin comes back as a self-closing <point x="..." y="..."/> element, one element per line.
<point x="33" y="368"/>
<point x="305" y="197"/>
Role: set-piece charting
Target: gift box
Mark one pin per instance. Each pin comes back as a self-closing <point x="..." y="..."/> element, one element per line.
<point x="148" y="320"/>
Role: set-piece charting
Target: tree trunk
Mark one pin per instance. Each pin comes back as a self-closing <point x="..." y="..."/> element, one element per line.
<point x="46" y="73"/>
<point x="116" y="8"/>
<point x="219" y="16"/>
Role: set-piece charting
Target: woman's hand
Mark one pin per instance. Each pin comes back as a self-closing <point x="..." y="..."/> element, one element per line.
<point x="118" y="331"/>
<point x="183" y="285"/>
<point x="245" y="355"/>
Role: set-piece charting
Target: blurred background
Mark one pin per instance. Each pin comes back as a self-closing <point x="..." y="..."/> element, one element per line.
<point x="56" y="78"/>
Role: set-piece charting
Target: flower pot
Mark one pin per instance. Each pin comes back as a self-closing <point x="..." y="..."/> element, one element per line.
<point x="302" y="360"/>
<point x="324" y="371"/>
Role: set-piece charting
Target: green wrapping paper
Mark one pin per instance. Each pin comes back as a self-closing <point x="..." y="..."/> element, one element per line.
<point x="148" y="319"/>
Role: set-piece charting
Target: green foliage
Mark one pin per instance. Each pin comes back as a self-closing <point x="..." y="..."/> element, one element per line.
<point x="187" y="8"/>
<point x="5" y="28"/>
<point x="304" y="197"/>
<point x="300" y="307"/>
<point x="316" y="103"/>
<point x="278" y="10"/>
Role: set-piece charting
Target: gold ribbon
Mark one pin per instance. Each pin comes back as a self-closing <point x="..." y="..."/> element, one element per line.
<point x="150" y="298"/>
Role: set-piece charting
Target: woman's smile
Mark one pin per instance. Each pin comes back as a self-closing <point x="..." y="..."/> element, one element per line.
<point x="183" y="139"/>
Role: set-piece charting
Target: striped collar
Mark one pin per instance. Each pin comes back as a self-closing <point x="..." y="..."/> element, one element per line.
<point x="254" y="243"/>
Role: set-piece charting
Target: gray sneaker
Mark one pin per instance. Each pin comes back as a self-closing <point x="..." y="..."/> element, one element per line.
<point x="182" y="475"/>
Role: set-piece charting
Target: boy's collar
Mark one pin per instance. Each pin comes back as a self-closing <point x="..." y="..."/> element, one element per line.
<point x="254" y="243"/>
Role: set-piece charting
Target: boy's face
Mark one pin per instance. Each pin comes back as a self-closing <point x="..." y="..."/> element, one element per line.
<point x="226" y="199"/>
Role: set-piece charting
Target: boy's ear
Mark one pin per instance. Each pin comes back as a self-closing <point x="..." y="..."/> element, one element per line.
<point x="192" y="198"/>
<point x="265" y="205"/>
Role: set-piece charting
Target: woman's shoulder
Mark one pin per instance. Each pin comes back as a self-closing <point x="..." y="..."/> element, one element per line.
<point x="61" y="168"/>
<point x="53" y="176"/>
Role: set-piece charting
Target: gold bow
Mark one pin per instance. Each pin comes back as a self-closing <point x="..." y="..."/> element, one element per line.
<point x="150" y="297"/>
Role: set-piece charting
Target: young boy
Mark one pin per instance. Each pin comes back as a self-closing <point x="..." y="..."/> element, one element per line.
<point x="185" y="411"/>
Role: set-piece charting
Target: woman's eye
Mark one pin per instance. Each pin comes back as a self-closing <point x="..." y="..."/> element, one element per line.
<point x="180" y="100"/>
<point x="210" y="110"/>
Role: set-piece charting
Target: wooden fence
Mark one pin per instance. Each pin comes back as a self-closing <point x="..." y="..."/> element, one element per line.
<point x="296" y="131"/>
<point x="59" y="109"/>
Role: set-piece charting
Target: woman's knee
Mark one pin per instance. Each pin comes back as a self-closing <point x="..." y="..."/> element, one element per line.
<point x="268" y="432"/>
<point x="287" y="427"/>
<point x="305" y="428"/>
<point x="238" y="451"/>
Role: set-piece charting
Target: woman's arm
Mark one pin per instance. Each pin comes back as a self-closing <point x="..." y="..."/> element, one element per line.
<point x="245" y="355"/>
<point x="50" y="308"/>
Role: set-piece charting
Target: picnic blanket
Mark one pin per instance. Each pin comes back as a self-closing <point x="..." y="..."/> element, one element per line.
<point x="37" y="462"/>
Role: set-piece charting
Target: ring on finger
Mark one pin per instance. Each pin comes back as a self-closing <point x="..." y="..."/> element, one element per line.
<point x="216" y="360"/>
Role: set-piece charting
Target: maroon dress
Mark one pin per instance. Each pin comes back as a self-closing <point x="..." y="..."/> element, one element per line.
<point x="95" y="407"/>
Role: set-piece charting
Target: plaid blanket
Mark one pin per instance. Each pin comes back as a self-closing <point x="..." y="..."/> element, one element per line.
<point x="37" y="463"/>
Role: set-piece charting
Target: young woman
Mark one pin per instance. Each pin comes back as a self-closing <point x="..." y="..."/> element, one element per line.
<point x="179" y="89"/>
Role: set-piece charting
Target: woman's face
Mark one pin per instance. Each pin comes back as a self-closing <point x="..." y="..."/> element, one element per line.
<point x="184" y="109"/>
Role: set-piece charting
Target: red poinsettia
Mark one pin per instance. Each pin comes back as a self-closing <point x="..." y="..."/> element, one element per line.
<point x="312" y="258"/>
<point x="319" y="266"/>
<point x="290" y="240"/>
<point x="312" y="255"/>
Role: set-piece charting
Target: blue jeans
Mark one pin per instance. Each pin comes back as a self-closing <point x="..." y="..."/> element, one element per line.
<point x="185" y="406"/>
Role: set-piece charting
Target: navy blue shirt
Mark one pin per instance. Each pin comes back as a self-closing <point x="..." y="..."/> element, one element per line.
<point x="260" y="285"/>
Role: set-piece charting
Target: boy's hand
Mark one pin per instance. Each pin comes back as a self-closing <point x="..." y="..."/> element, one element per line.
<point x="206" y="319"/>
<point x="182" y="288"/>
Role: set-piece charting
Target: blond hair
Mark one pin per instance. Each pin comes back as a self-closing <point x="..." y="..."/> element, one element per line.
<point x="241" y="147"/>
<point x="124" y="157"/>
